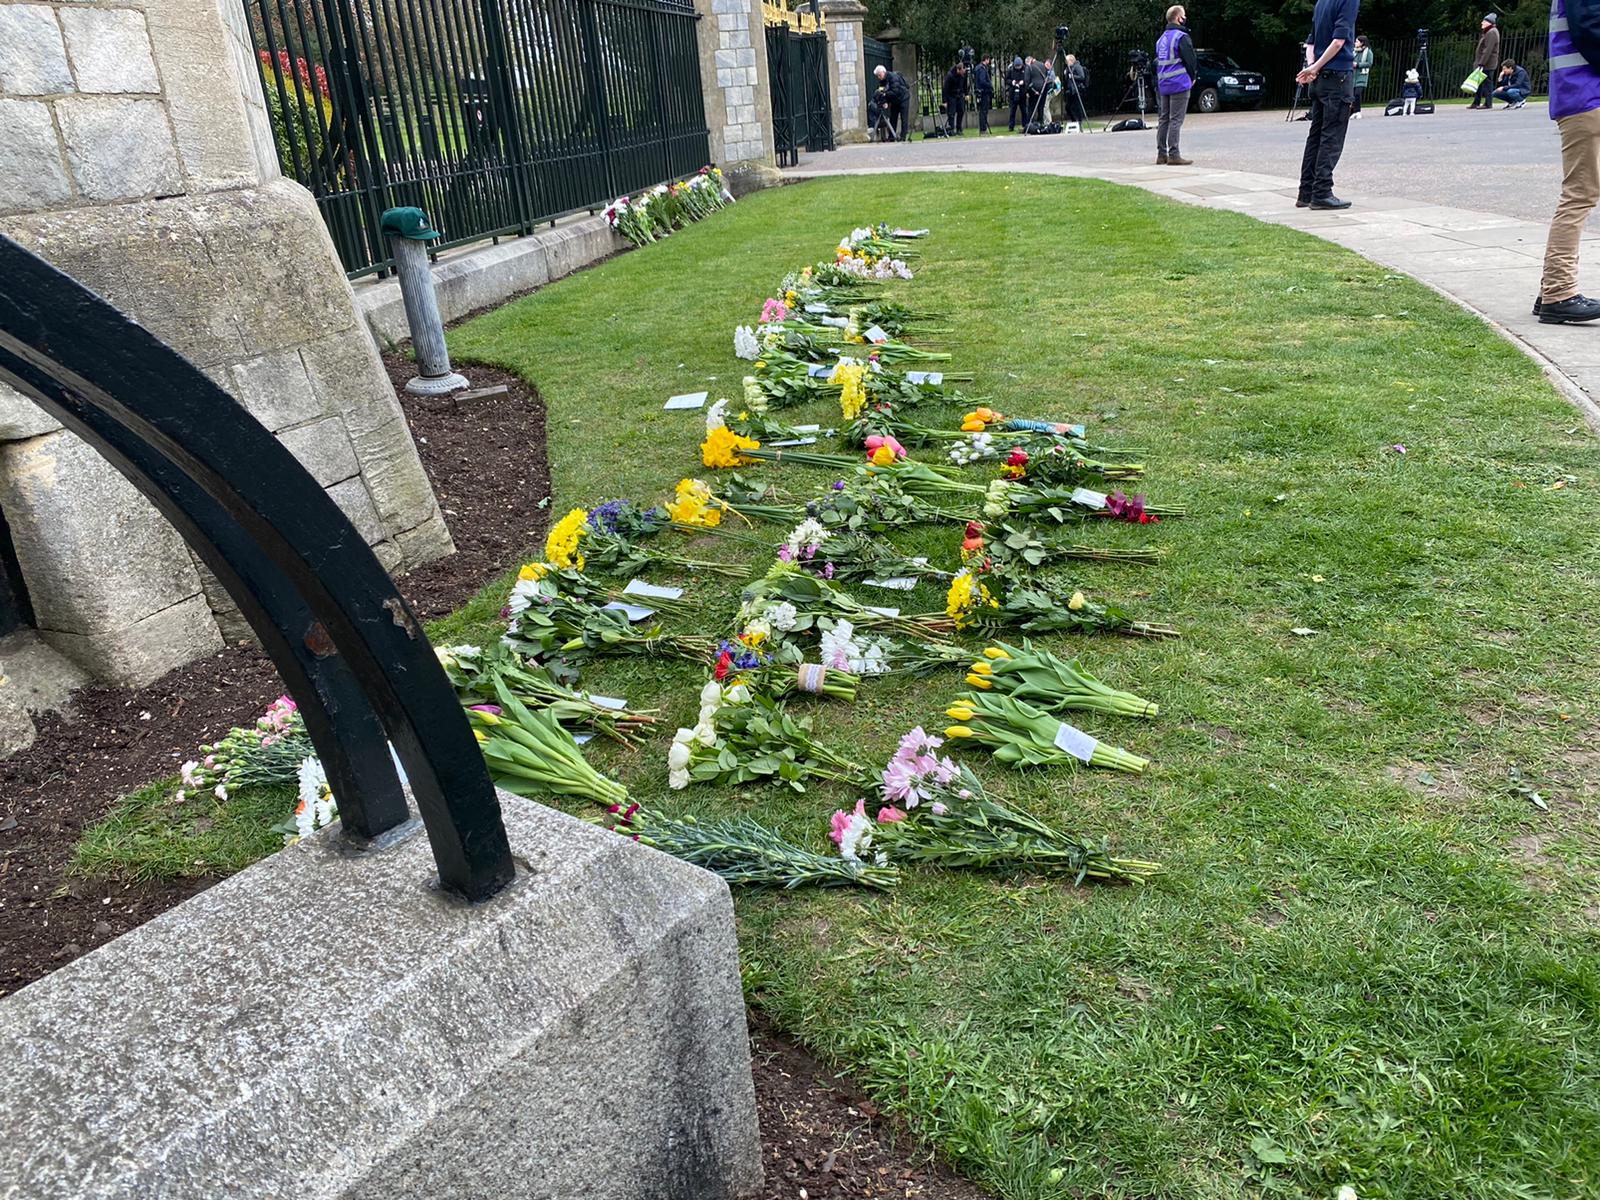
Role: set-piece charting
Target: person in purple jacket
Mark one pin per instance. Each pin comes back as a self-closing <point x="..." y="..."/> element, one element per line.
<point x="1575" y="108"/>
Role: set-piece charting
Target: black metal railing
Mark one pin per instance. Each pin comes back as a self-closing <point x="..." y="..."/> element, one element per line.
<point x="350" y="649"/>
<point x="802" y="107"/>
<point x="490" y="115"/>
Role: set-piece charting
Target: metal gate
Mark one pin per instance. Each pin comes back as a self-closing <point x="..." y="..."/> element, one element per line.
<point x="874" y="54"/>
<point x="802" y="110"/>
<point x="491" y="115"/>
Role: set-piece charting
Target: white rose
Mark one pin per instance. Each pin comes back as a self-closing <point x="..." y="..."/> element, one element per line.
<point x="678" y="756"/>
<point x="677" y="780"/>
<point x="705" y="734"/>
<point x="738" y="694"/>
<point x="711" y="693"/>
<point x="683" y="735"/>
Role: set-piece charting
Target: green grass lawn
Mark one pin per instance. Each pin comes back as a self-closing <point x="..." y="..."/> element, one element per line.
<point x="1371" y="961"/>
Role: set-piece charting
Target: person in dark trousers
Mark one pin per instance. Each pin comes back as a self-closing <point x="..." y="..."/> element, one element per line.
<point x="1331" y="81"/>
<point x="1176" y="69"/>
<point x="1072" y="90"/>
<point x="1363" y="73"/>
<point x="1016" y="92"/>
<point x="983" y="91"/>
<point x="955" y="100"/>
<point x="897" y="94"/>
<point x="1033" y="82"/>
<point x="1487" y="60"/>
<point x="1513" y="86"/>
<point x="1575" y="108"/>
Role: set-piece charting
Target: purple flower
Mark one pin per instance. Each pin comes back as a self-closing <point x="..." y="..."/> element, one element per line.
<point x="785" y="554"/>
<point x="827" y="571"/>
<point x="606" y="516"/>
<point x="492" y="709"/>
<point x="838" y="485"/>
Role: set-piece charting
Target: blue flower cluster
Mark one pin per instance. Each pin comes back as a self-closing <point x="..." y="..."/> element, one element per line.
<point x="743" y="657"/>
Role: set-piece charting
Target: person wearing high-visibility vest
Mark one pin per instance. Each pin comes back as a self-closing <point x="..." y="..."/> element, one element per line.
<point x="1575" y="108"/>
<point x="1176" y="69"/>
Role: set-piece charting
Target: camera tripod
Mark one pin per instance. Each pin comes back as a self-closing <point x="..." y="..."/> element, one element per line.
<point x="1424" y="75"/>
<point x="1306" y="55"/>
<point x="1138" y="91"/>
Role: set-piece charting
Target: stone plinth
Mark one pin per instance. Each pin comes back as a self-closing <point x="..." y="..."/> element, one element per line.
<point x="733" y="78"/>
<point x="328" y="1024"/>
<point x="136" y="155"/>
<point x="847" y="68"/>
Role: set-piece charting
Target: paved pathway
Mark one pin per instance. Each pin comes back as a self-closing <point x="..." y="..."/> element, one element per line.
<point x="1487" y="259"/>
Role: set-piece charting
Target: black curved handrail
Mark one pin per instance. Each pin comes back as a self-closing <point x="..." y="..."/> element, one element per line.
<point x="351" y="652"/>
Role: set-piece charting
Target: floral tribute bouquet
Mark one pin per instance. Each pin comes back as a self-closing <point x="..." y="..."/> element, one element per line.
<point x="544" y="621"/>
<point x="816" y="600"/>
<point x="846" y="554"/>
<point x="825" y="284"/>
<point x="528" y="753"/>
<point x="1051" y="683"/>
<point x="880" y="241"/>
<point x="745" y="852"/>
<point x="939" y="814"/>
<point x="742" y="737"/>
<point x="845" y="648"/>
<point x="478" y="675"/>
<point x="268" y="752"/>
<point x="1018" y="547"/>
<point x="1021" y="735"/>
<point x="316" y="807"/>
<point x="991" y="600"/>
<point x="609" y="538"/>
<point x="656" y="213"/>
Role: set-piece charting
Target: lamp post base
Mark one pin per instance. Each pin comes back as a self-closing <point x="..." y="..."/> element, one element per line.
<point x="435" y="385"/>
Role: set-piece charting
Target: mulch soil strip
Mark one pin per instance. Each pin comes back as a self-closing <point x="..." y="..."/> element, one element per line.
<point x="821" y="1137"/>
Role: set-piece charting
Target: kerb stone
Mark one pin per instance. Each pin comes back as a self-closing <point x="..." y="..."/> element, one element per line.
<point x="328" y="1024"/>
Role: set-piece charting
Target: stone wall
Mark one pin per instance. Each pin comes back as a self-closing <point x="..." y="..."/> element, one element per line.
<point x="136" y="155"/>
<point x="733" y="76"/>
<point x="847" y="68"/>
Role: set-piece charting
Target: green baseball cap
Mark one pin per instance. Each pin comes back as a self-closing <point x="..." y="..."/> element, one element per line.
<point x="409" y="223"/>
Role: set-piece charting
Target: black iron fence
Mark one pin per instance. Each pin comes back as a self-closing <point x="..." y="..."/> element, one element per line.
<point x="802" y="107"/>
<point x="491" y="115"/>
<point x="1110" y="87"/>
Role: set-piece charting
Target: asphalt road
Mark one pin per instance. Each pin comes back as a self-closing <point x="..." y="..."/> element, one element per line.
<point x="1499" y="162"/>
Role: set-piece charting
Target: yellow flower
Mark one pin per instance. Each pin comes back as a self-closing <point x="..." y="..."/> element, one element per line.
<point x="959" y="712"/>
<point x="1077" y="602"/>
<point x="971" y="425"/>
<point x="791" y="296"/>
<point x="979" y="682"/>
<point x="965" y="596"/>
<point x="722" y="446"/>
<point x="488" y="718"/>
<point x="561" y="547"/>
<point x="477" y="733"/>
<point x="695" y="505"/>
<point x="958" y="731"/>
<point x="883" y="457"/>
<point x="533" y="571"/>
<point x="852" y="391"/>
<point x="995" y="652"/>
<point x="981" y="667"/>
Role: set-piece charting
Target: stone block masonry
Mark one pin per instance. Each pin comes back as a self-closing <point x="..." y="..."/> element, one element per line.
<point x="136" y="155"/>
<point x="733" y="75"/>
<point x="847" y="67"/>
<point x="328" y="1024"/>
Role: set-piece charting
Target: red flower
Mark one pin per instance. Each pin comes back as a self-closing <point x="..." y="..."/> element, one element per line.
<point x="1019" y="457"/>
<point x="974" y="529"/>
<point x="724" y="663"/>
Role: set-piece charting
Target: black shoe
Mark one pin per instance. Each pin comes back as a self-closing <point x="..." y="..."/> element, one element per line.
<point x="1538" y="304"/>
<point x="1329" y="202"/>
<point x="1302" y="202"/>
<point x="1569" y="312"/>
